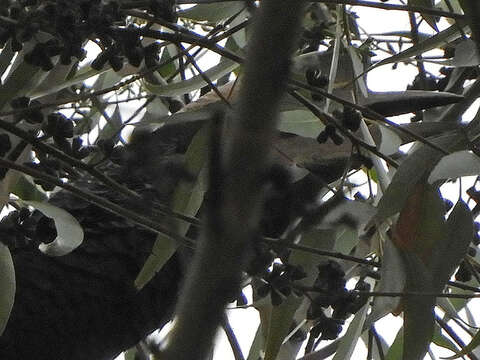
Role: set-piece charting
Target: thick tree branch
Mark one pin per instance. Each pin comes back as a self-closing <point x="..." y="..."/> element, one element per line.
<point x="214" y="277"/>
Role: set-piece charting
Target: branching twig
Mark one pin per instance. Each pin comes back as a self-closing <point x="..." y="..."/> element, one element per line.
<point x="98" y="201"/>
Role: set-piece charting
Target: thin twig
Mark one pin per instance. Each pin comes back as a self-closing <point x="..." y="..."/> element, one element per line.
<point x="371" y="4"/>
<point x="367" y="112"/>
<point x="98" y="201"/>
<point x="338" y="255"/>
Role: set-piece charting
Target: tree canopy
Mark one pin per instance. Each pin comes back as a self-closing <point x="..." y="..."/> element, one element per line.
<point x="166" y="159"/>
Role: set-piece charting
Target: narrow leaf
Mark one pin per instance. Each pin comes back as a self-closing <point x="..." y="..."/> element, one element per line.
<point x="186" y="200"/>
<point x="26" y="190"/>
<point x="466" y="54"/>
<point x="395" y="350"/>
<point x="441" y="340"/>
<point x="7" y="284"/>
<point x="418" y="310"/>
<point x="411" y="171"/>
<point x="390" y="141"/>
<point x="472" y="345"/>
<point x="455" y="165"/>
<point x="392" y="279"/>
<point x="420" y="227"/>
<point x="437" y="40"/>
<point x="448" y="254"/>
<point x="403" y="102"/>
<point x="349" y="341"/>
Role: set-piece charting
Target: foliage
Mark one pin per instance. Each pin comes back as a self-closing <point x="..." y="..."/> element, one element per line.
<point x="119" y="93"/>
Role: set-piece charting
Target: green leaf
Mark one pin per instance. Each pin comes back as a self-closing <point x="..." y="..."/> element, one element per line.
<point x="395" y="351"/>
<point x="19" y="81"/>
<point x="419" y="321"/>
<point x="257" y="345"/>
<point x="437" y="40"/>
<point x="413" y="169"/>
<point x="452" y="249"/>
<point x="162" y="251"/>
<point x="441" y="340"/>
<point x="27" y="190"/>
<point x="472" y="345"/>
<point x="349" y="341"/>
<point x="455" y="165"/>
<point x="130" y="354"/>
<point x="7" y="284"/>
<point x="6" y="57"/>
<point x="212" y="13"/>
<point x="186" y="200"/>
<point x="471" y="10"/>
<point x="466" y="54"/>
<point x="300" y="122"/>
<point x="392" y="279"/>
<point x="390" y="141"/>
<point x="69" y="231"/>
<point x="402" y="102"/>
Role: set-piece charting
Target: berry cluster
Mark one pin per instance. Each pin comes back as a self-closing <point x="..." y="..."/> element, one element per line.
<point x="25" y="229"/>
<point x="25" y="110"/>
<point x="350" y="119"/>
<point x="330" y="284"/>
<point x="278" y="282"/>
<point x="69" y="24"/>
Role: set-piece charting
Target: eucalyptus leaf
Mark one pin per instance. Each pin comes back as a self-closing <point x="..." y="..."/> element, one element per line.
<point x="69" y="231"/>
<point x="437" y="40"/>
<point x="390" y="141"/>
<point x="473" y="344"/>
<point x="453" y="248"/>
<point x="349" y="341"/>
<point x="395" y="351"/>
<point x="26" y="190"/>
<point x="441" y="340"/>
<point x="257" y="345"/>
<point x="19" y="81"/>
<point x="403" y="102"/>
<point x="300" y="122"/>
<point x="7" y="284"/>
<point x="455" y="165"/>
<point x="418" y="309"/>
<point x="187" y="199"/>
<point x="6" y="57"/>
<point x="466" y="54"/>
<point x="413" y="169"/>
<point x="392" y="279"/>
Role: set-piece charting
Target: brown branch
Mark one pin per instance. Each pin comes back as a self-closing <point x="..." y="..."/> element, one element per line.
<point x="214" y="276"/>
